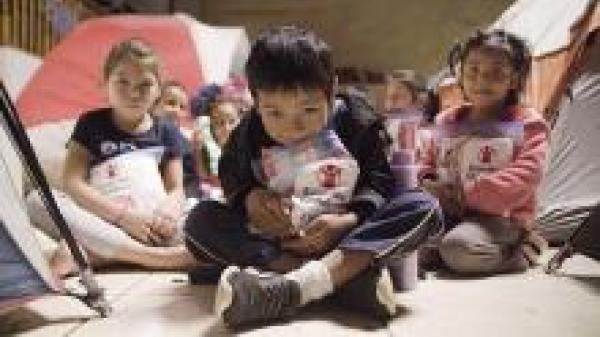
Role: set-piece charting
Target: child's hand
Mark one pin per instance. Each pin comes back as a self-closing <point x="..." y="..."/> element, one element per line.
<point x="321" y="235"/>
<point x="164" y="226"/>
<point x="267" y="214"/>
<point x="139" y="226"/>
<point x="449" y="196"/>
<point x="165" y="217"/>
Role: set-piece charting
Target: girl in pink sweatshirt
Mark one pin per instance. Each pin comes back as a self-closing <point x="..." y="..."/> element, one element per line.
<point x="489" y="216"/>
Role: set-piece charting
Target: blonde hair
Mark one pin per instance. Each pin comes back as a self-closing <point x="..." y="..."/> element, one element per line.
<point x="135" y="50"/>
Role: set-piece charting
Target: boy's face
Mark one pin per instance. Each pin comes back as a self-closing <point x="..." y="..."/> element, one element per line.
<point x="397" y="96"/>
<point x="290" y="116"/>
<point x="132" y="90"/>
<point x="487" y="77"/>
<point x="173" y="105"/>
<point x="224" y="119"/>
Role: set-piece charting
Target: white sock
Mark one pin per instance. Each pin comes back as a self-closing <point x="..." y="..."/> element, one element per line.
<point x="314" y="280"/>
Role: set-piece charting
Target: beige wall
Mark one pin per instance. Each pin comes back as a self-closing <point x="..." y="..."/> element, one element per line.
<point x="375" y="34"/>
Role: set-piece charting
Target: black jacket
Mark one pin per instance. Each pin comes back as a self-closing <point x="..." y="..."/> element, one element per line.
<point x="359" y="128"/>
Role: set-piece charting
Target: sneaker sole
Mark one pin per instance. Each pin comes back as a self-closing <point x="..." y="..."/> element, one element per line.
<point x="224" y="294"/>
<point x="384" y="291"/>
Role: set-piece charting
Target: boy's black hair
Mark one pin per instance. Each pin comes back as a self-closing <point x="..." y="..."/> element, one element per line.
<point x="289" y="58"/>
<point x="515" y="48"/>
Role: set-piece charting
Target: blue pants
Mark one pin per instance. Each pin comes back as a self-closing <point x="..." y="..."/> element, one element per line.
<point x="217" y="234"/>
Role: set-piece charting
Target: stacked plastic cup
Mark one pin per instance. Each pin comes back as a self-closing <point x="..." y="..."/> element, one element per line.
<point x="403" y="126"/>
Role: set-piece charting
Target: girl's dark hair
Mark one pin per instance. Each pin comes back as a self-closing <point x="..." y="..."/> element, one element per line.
<point x="205" y="99"/>
<point x="289" y="57"/>
<point x="516" y="50"/>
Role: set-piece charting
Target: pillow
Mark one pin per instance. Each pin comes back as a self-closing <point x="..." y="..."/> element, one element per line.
<point x="49" y="142"/>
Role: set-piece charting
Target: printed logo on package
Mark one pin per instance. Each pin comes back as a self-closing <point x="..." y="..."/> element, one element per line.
<point x="316" y="176"/>
<point x="467" y="151"/>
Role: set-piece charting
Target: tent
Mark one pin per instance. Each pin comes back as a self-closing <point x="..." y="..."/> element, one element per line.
<point x="571" y="186"/>
<point x="16" y="68"/>
<point x="222" y="51"/>
<point x="69" y="80"/>
<point x="566" y="59"/>
<point x="556" y="31"/>
<point x="24" y="272"/>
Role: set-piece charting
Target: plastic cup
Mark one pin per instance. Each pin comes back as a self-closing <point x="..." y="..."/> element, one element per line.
<point x="404" y="270"/>
<point x="404" y="157"/>
<point x="407" y="176"/>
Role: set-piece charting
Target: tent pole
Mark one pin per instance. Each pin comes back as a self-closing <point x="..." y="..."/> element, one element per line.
<point x="13" y="127"/>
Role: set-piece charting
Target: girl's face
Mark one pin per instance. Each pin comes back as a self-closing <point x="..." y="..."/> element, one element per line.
<point x="289" y="116"/>
<point x="224" y="118"/>
<point x="132" y="91"/>
<point x="487" y="78"/>
<point x="398" y="96"/>
<point x="173" y="105"/>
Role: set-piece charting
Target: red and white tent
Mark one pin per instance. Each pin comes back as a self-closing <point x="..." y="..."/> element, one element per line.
<point x="69" y="80"/>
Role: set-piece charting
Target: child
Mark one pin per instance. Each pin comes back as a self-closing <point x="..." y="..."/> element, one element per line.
<point x="491" y="214"/>
<point x="221" y="115"/>
<point x="123" y="170"/>
<point x="402" y="88"/>
<point x="290" y="75"/>
<point x="445" y="92"/>
<point x="173" y="106"/>
<point x="404" y="115"/>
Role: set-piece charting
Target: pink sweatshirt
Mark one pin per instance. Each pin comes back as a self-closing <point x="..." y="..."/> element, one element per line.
<point x="511" y="191"/>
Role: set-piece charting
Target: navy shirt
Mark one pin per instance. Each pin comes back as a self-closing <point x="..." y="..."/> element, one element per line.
<point x="96" y="131"/>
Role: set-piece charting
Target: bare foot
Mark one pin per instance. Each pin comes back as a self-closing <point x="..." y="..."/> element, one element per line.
<point x="62" y="263"/>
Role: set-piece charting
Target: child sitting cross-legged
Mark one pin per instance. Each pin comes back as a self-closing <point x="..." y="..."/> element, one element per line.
<point x="310" y="206"/>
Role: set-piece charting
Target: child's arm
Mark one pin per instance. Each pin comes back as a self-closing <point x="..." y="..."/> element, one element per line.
<point x="244" y="193"/>
<point x="235" y="169"/>
<point x="375" y="182"/>
<point x="499" y="192"/>
<point x="170" y="210"/>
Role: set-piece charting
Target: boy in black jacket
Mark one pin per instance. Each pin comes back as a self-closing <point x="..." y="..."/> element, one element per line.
<point x="291" y="78"/>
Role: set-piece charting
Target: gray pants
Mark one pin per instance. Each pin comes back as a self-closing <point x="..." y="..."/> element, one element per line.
<point x="483" y="245"/>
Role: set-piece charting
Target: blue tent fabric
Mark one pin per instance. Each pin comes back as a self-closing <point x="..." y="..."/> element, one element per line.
<point x="17" y="277"/>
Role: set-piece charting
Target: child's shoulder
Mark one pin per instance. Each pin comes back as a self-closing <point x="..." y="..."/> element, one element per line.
<point x="95" y="117"/>
<point x="100" y="113"/>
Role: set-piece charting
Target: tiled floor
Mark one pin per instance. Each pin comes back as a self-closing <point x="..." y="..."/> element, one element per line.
<point x="163" y="304"/>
